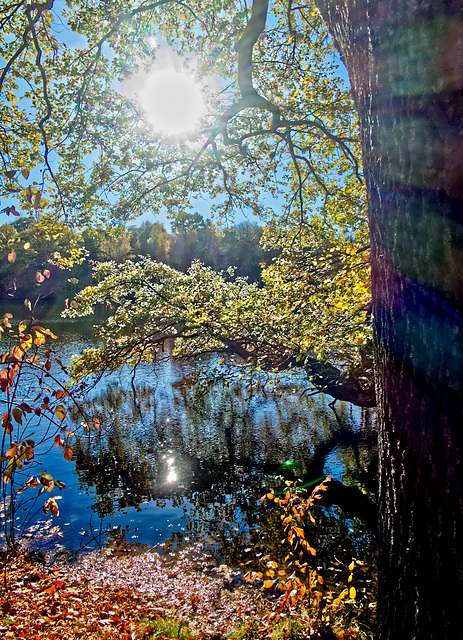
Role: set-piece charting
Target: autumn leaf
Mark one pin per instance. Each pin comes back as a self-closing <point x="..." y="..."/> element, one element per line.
<point x="22" y="327"/>
<point x="37" y="198"/>
<point x="6" y="422"/>
<point x="17" y="353"/>
<point x="51" y="506"/>
<point x="12" y="450"/>
<point x="17" y="415"/>
<point x="60" y="412"/>
<point x="58" y="441"/>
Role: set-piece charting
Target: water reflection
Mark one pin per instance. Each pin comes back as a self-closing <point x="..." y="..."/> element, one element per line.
<point x="175" y="460"/>
<point x="213" y="454"/>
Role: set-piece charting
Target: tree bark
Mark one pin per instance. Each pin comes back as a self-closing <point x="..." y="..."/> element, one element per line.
<point x="404" y="59"/>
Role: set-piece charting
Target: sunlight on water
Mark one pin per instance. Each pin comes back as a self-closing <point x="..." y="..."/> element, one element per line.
<point x="178" y="461"/>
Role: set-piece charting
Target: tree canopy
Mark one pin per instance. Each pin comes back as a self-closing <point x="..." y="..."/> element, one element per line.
<point x="284" y="126"/>
<point x="280" y="139"/>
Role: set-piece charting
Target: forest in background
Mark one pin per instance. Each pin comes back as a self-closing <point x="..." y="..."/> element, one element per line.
<point x="194" y="238"/>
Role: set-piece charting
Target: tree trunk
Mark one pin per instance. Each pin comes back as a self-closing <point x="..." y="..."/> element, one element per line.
<point x="405" y="63"/>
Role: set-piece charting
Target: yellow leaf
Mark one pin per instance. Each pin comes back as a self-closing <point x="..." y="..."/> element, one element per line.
<point x="39" y="339"/>
<point x="352" y="593"/>
<point x="60" y="412"/>
<point x="26" y="342"/>
<point x="340" y="597"/>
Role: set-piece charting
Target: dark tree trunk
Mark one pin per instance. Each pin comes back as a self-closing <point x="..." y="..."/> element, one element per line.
<point x="405" y="62"/>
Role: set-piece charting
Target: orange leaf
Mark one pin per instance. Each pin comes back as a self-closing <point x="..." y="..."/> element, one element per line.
<point x="6" y="422"/>
<point x="39" y="339"/>
<point x="68" y="454"/>
<point x="17" y="415"/>
<point x="12" y="256"/>
<point x="17" y="353"/>
<point x="12" y="450"/>
<point x="38" y="195"/>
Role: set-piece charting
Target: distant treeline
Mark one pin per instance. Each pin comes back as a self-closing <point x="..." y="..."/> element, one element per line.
<point x="28" y="253"/>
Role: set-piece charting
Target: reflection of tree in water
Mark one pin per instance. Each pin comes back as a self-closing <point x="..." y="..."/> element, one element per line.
<point x="216" y="453"/>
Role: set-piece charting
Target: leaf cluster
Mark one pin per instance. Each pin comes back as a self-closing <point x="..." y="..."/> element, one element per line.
<point x="338" y="590"/>
<point x="27" y="364"/>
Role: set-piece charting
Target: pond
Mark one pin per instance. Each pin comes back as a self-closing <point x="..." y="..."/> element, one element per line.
<point x="178" y="460"/>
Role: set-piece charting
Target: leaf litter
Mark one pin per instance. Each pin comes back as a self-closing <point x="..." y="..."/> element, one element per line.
<point x="101" y="595"/>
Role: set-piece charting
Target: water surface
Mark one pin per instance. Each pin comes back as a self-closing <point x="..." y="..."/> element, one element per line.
<point x="175" y="460"/>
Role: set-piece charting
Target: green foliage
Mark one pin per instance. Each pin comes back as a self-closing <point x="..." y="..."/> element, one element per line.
<point x="99" y="161"/>
<point x="34" y="258"/>
<point x="205" y="311"/>
<point x="280" y="140"/>
<point x="165" y="628"/>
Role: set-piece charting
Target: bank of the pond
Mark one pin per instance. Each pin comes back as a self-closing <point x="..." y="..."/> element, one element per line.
<point x="141" y="596"/>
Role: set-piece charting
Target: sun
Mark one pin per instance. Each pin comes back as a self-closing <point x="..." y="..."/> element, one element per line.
<point x="173" y="102"/>
<point x="170" y="96"/>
